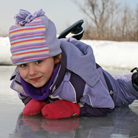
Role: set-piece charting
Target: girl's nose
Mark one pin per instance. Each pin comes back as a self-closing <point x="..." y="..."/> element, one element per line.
<point x="32" y="70"/>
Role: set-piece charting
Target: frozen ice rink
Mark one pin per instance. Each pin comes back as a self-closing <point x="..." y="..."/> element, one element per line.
<point x="122" y="123"/>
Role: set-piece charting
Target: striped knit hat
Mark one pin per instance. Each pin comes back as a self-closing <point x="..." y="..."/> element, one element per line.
<point x="33" y="38"/>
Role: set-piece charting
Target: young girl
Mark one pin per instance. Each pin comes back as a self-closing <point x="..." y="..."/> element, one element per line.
<point x="59" y="77"/>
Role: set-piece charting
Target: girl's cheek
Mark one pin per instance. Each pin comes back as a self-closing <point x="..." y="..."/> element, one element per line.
<point x="23" y="73"/>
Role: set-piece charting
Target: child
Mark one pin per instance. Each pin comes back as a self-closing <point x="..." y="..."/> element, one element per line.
<point x="59" y="77"/>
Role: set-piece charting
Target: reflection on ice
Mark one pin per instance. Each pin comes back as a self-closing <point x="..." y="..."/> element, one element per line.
<point x="123" y="123"/>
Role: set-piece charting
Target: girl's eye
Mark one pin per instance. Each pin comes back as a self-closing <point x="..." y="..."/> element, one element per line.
<point x="23" y="65"/>
<point x="39" y="61"/>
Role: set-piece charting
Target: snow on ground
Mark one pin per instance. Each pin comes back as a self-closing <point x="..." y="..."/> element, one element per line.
<point x="109" y="54"/>
<point x="5" y="51"/>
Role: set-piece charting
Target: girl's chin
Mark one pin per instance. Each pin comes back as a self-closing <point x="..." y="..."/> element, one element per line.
<point x="38" y="85"/>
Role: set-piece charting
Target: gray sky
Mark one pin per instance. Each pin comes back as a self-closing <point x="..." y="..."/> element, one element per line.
<point x="61" y="12"/>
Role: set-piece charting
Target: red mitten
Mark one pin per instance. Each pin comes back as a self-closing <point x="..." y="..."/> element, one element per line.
<point x="33" y="107"/>
<point x="60" y="109"/>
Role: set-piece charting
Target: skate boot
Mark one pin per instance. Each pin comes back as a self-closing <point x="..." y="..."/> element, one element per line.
<point x="135" y="78"/>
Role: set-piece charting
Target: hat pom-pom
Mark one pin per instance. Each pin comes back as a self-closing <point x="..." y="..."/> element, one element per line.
<point x="24" y="17"/>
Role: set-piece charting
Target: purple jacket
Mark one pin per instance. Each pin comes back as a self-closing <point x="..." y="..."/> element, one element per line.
<point x="79" y="80"/>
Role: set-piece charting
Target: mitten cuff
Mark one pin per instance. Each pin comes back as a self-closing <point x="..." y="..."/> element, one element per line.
<point x="75" y="107"/>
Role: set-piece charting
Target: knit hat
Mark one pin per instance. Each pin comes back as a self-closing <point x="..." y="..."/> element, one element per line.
<point x="33" y="38"/>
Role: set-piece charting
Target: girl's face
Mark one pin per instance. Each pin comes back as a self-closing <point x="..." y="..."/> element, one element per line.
<point x="38" y="72"/>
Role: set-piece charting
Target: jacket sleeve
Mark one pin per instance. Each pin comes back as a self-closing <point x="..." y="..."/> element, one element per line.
<point x="26" y="99"/>
<point x="16" y="86"/>
<point x="21" y="94"/>
<point x="88" y="110"/>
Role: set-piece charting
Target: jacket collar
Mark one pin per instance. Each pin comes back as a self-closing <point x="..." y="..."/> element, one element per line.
<point x="80" y="59"/>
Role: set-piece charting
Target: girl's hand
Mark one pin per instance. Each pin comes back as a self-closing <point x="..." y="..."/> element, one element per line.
<point x="33" y="107"/>
<point x="60" y="109"/>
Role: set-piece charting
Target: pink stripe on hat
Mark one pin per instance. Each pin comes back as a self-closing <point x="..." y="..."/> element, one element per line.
<point x="33" y="38"/>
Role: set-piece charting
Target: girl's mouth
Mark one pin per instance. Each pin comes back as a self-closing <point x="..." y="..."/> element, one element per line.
<point x="35" y="79"/>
